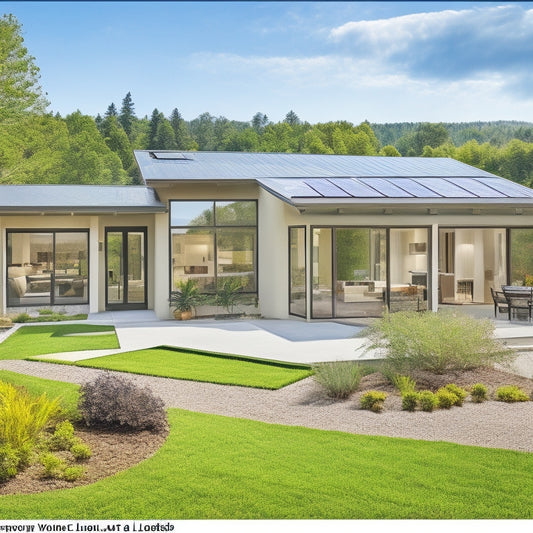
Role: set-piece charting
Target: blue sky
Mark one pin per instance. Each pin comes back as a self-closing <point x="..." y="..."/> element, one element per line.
<point x="355" y="61"/>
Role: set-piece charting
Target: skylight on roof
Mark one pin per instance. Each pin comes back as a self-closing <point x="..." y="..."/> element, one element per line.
<point x="170" y="156"/>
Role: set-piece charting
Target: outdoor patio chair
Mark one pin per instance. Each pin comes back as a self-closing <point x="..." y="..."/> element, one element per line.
<point x="518" y="299"/>
<point x="500" y="302"/>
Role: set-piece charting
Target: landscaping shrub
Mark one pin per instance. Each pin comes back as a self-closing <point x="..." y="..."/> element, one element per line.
<point x="63" y="437"/>
<point x="9" y="462"/>
<point x="47" y="315"/>
<point x="373" y="401"/>
<point x="338" y="378"/>
<point x="21" y="318"/>
<point x="511" y="393"/>
<point x="479" y="393"/>
<point x="115" y="401"/>
<point x="445" y="398"/>
<point x="409" y="400"/>
<point x="80" y="451"/>
<point x="427" y="401"/>
<point x="72" y="473"/>
<point x="459" y="393"/>
<point x="53" y="465"/>
<point x="404" y="384"/>
<point x="23" y="417"/>
<point x="436" y="342"/>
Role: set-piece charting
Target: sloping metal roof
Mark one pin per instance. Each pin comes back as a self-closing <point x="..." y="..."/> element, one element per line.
<point x="171" y="166"/>
<point x="79" y="199"/>
<point x="301" y="179"/>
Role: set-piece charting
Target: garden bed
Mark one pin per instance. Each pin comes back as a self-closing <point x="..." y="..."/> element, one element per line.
<point x="490" y="377"/>
<point x="112" y="452"/>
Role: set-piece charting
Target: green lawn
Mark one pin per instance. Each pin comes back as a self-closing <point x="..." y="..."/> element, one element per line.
<point x="203" y="366"/>
<point x="68" y="392"/>
<point x="218" y="467"/>
<point x="38" y="340"/>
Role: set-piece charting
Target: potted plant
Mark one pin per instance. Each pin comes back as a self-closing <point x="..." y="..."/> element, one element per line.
<point x="229" y="294"/>
<point x="185" y="299"/>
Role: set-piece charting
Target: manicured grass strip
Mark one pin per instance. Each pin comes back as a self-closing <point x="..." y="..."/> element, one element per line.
<point x="215" y="467"/>
<point x="198" y="366"/>
<point x="38" y="340"/>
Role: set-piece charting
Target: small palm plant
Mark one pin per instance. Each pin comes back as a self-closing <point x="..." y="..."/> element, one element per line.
<point x="185" y="299"/>
<point x="229" y="293"/>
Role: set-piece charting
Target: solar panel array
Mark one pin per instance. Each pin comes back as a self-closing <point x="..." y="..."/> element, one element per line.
<point x="449" y="187"/>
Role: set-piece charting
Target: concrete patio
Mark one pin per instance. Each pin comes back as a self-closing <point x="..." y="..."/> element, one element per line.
<point x="294" y="341"/>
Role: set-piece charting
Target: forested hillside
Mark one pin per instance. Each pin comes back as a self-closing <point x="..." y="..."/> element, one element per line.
<point x="40" y="147"/>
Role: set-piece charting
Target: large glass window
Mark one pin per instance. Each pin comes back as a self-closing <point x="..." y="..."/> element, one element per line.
<point x="213" y="241"/>
<point x="471" y="262"/>
<point x="521" y="245"/>
<point x="297" y="265"/>
<point x="47" y="268"/>
<point x="322" y="301"/>
<point x="408" y="269"/>
<point x="361" y="271"/>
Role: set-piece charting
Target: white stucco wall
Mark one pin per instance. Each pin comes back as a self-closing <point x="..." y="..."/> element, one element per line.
<point x="96" y="225"/>
<point x="274" y="219"/>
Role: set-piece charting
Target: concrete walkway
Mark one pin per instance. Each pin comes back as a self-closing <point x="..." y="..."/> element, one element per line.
<point x="294" y="341"/>
<point x="285" y="340"/>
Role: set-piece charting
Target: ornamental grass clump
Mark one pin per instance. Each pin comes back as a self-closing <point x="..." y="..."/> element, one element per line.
<point x="23" y="417"/>
<point x="404" y="384"/>
<point x="436" y="342"/>
<point x="339" y="379"/>
<point x="510" y="394"/>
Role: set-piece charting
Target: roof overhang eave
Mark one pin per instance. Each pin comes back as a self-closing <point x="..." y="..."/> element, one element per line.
<point x="55" y="210"/>
<point x="410" y="202"/>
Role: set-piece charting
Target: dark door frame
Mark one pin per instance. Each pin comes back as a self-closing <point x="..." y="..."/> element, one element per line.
<point x="125" y="230"/>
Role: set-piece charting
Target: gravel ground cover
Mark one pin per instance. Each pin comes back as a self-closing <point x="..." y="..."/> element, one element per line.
<point x="490" y="424"/>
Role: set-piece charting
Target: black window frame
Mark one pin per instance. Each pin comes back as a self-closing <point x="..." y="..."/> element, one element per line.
<point x="214" y="227"/>
<point x="387" y="229"/>
<point x="53" y="231"/>
<point x="290" y="270"/>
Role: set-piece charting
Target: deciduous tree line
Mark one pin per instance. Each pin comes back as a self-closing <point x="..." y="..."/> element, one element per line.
<point x="39" y="147"/>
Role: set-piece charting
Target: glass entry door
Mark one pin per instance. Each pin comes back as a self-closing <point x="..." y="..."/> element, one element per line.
<point x="125" y="268"/>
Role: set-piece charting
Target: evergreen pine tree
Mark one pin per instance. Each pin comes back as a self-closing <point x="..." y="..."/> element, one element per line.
<point x="99" y="122"/>
<point x="155" y="120"/>
<point x="111" y="110"/>
<point x="291" y="118"/>
<point x="127" y="114"/>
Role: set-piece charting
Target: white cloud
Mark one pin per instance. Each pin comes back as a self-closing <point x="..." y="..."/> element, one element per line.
<point x="446" y="45"/>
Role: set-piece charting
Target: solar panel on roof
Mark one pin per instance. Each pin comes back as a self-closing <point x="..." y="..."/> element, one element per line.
<point x="416" y="189"/>
<point x="355" y="188"/>
<point x="476" y="187"/>
<point x="326" y="188"/>
<point x="445" y="188"/>
<point x="513" y="190"/>
<point x="386" y="187"/>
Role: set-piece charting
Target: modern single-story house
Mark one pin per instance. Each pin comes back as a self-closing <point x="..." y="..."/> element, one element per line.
<point x="311" y="236"/>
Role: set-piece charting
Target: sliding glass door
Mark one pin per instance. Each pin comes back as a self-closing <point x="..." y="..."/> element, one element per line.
<point x="126" y="268"/>
<point x="349" y="272"/>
